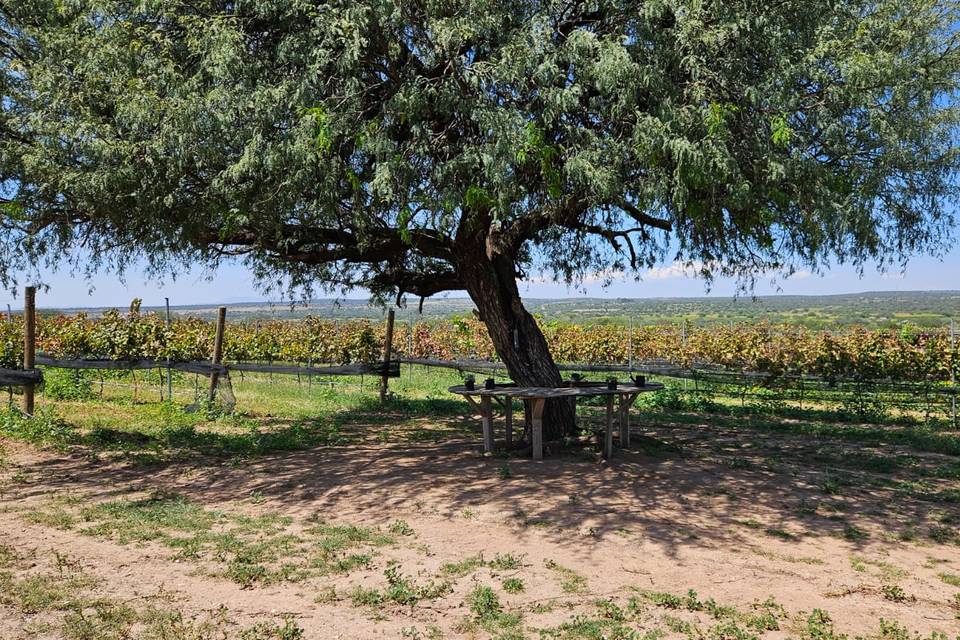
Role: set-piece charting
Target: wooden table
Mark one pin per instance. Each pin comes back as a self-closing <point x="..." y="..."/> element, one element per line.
<point x="537" y="397"/>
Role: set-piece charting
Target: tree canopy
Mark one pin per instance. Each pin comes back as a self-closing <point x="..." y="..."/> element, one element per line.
<point x="361" y="142"/>
<point x="418" y="146"/>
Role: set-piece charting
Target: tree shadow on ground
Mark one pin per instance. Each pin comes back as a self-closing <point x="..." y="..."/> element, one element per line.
<point x="681" y="485"/>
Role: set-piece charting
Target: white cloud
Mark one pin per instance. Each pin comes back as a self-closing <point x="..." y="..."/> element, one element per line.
<point x="893" y="275"/>
<point x="676" y="270"/>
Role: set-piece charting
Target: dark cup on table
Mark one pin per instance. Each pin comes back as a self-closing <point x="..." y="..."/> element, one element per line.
<point x="470" y="383"/>
<point x="611" y="383"/>
<point x="640" y="381"/>
<point x="489" y="383"/>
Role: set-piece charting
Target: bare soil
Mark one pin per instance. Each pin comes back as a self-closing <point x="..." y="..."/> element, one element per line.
<point x="711" y="513"/>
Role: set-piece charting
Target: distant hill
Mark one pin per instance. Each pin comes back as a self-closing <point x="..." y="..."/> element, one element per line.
<point x="872" y="309"/>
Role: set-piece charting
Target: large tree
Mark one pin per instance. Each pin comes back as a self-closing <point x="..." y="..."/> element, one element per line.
<point x="419" y="146"/>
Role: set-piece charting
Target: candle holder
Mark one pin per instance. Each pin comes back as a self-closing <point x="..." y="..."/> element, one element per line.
<point x="489" y="383"/>
<point x="470" y="383"/>
<point x="611" y="383"/>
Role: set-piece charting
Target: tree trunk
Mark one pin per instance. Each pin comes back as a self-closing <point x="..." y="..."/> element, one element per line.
<point x="491" y="283"/>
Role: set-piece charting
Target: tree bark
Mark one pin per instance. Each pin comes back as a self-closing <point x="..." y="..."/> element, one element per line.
<point x="491" y="282"/>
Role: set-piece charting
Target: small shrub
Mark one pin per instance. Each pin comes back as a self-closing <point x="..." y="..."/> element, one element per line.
<point x="483" y="603"/>
<point x="464" y="567"/>
<point x="401" y="528"/>
<point x="893" y="593"/>
<point x="506" y="562"/>
<point x="513" y="585"/>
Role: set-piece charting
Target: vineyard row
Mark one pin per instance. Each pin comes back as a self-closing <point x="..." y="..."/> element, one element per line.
<point x="768" y="349"/>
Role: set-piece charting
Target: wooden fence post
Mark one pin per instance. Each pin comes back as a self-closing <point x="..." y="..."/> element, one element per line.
<point x="169" y="371"/>
<point x="29" y="343"/>
<point x="387" y="349"/>
<point x="217" y="352"/>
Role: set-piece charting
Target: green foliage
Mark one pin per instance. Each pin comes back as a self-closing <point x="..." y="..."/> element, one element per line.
<point x="483" y="602"/>
<point x="44" y="428"/>
<point x="351" y="147"/>
<point x="775" y="350"/>
<point x="513" y="585"/>
<point x="400" y="590"/>
<point x="570" y="580"/>
<point x="65" y="384"/>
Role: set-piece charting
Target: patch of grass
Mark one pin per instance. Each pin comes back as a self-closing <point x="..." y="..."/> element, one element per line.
<point x="677" y="625"/>
<point x="506" y="562"/>
<point x="788" y="558"/>
<point x="288" y="630"/>
<point x="464" y="567"/>
<point x="893" y="593"/>
<point x="763" y="616"/>
<point x="8" y="556"/>
<point x="251" y="550"/>
<point x="853" y="533"/>
<point x="570" y="580"/>
<point x="364" y="597"/>
<point x="513" y="585"/>
<point x="487" y="613"/>
<point x="819" y="626"/>
<point x="775" y="532"/>
<point x="330" y="542"/>
<point x="582" y="627"/>
<point x="400" y="589"/>
<point x="886" y="571"/>
<point x="349" y="563"/>
<point x="44" y="428"/>
<point x="483" y="602"/>
<point x="400" y="528"/>
<point x="142" y="520"/>
<point x="43" y="592"/>
<point x="950" y="578"/>
<point x="729" y="630"/>
<point x="943" y="534"/>
<point x="107" y="620"/>
<point x="53" y="516"/>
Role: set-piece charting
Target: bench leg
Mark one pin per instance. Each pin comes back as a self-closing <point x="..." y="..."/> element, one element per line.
<point x="536" y="425"/>
<point x="508" y="408"/>
<point x="486" y="412"/>
<point x="608" y="435"/>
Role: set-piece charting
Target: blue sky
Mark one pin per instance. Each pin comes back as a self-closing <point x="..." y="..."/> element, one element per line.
<point x="234" y="284"/>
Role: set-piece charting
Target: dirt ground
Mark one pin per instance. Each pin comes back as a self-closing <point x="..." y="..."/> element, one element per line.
<point x="694" y="507"/>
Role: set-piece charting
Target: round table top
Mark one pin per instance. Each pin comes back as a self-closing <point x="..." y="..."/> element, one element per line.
<point x="594" y="389"/>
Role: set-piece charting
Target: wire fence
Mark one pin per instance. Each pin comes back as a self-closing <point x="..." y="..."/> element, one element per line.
<point x="933" y="398"/>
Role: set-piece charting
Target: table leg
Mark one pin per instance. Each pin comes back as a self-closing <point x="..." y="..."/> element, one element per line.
<point x="508" y="408"/>
<point x="608" y="436"/>
<point x="536" y="425"/>
<point x="486" y="413"/>
<point x="624" y="421"/>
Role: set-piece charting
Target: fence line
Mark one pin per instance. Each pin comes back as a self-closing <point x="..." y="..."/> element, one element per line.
<point x="702" y="372"/>
<point x="389" y="367"/>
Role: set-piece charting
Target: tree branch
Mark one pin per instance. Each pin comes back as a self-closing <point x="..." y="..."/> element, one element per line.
<point x="644" y="218"/>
